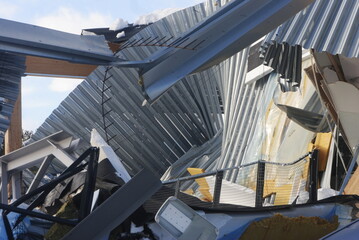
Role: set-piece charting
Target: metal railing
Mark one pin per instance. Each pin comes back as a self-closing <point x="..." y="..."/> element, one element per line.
<point x="262" y="168"/>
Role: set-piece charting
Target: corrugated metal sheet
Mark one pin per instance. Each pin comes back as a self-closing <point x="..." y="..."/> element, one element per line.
<point x="12" y="67"/>
<point x="152" y="136"/>
<point x="180" y="122"/>
<point x="184" y="124"/>
<point x="244" y="107"/>
<point x="221" y="35"/>
<point x="287" y="61"/>
<point x="326" y="25"/>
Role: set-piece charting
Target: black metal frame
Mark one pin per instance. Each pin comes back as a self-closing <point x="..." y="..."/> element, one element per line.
<point x="76" y="167"/>
<point x="313" y="177"/>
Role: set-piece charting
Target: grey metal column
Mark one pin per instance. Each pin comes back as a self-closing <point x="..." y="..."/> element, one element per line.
<point x="16" y="185"/>
<point x="40" y="173"/>
<point x="4" y="182"/>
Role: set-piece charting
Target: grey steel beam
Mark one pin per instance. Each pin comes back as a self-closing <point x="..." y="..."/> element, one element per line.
<point x="116" y="208"/>
<point x="228" y="31"/>
<point x="40" y="173"/>
<point x="33" y="40"/>
<point x="61" y="154"/>
<point x="31" y="154"/>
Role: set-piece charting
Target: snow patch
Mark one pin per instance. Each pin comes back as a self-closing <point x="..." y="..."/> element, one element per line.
<point x="119" y="24"/>
<point x="155" y="16"/>
<point x="120" y="34"/>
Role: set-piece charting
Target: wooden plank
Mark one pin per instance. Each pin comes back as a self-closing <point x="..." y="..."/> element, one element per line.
<point x="283" y="192"/>
<point x="114" y="47"/>
<point x="202" y="182"/>
<point x="53" y="67"/>
<point x="322" y="143"/>
<point x="13" y="136"/>
<point x="353" y="184"/>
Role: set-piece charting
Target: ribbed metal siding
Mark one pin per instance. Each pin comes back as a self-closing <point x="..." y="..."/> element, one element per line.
<point x="242" y="111"/>
<point x="326" y="25"/>
<point x="12" y="67"/>
<point x="185" y="124"/>
<point x="153" y="136"/>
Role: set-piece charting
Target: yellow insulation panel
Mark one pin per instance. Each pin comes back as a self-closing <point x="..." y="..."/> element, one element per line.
<point x="322" y="143"/>
<point x="202" y="182"/>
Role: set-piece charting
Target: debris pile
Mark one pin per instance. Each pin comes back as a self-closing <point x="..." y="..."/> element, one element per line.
<point x="280" y="227"/>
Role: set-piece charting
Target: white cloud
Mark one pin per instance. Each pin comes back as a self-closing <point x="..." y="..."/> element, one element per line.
<point x="7" y="10"/>
<point x="72" y="21"/>
<point x="155" y="15"/>
<point x="30" y="123"/>
<point x="64" y="84"/>
<point x="119" y="24"/>
<point x="27" y="90"/>
<point x="37" y="103"/>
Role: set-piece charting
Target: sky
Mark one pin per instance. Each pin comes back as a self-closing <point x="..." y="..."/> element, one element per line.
<point x="41" y="95"/>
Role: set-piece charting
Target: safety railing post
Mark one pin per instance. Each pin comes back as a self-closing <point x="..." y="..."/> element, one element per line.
<point x="260" y="184"/>
<point x="313" y="177"/>
<point x="217" y="188"/>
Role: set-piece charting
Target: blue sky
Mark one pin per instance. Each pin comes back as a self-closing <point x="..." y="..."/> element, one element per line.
<point x="40" y="96"/>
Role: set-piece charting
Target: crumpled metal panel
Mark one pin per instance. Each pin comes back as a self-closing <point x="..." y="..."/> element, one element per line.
<point x="151" y="136"/>
<point x="325" y="25"/>
<point x="182" y="121"/>
<point x="309" y="120"/>
<point x="242" y="104"/>
<point x="287" y="61"/>
<point x="12" y="68"/>
<point x="228" y="31"/>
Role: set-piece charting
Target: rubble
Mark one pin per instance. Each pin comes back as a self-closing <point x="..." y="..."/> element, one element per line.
<point x="298" y="228"/>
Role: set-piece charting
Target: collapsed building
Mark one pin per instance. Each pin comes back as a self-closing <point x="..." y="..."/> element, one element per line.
<point x="266" y="127"/>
